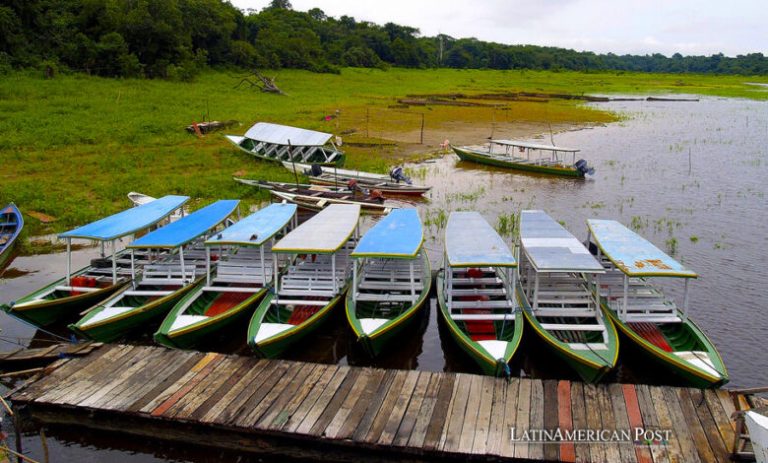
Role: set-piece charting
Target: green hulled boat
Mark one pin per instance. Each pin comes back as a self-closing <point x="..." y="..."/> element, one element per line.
<point x="92" y="284"/>
<point x="239" y="281"/>
<point x="558" y="300"/>
<point x="531" y="157"/>
<point x="274" y="142"/>
<point x="161" y="284"/>
<point x="306" y="293"/>
<point x="476" y="293"/>
<point x="643" y="314"/>
<point x="391" y="280"/>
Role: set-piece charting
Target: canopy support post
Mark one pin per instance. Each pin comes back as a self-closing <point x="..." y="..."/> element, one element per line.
<point x="275" y="276"/>
<point x="114" y="264"/>
<point x="513" y="279"/>
<point x="263" y="267"/>
<point x="413" y="284"/>
<point x="183" y="270"/>
<point x="69" y="259"/>
<point x="685" y="301"/>
<point x="596" y="281"/>
<point x="207" y="266"/>
<point x="626" y="297"/>
<point x="102" y="249"/>
<point x="354" y="280"/>
<point x="133" y="267"/>
<point x="333" y="272"/>
<point x="536" y="292"/>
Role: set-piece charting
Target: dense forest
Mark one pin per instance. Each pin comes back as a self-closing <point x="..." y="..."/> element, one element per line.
<point x="177" y="38"/>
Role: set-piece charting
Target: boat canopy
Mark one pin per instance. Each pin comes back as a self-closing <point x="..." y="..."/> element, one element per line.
<point x="325" y="233"/>
<point x="534" y="146"/>
<point x="277" y="134"/>
<point x="257" y="228"/>
<point x="128" y="221"/>
<point x="471" y="242"/>
<point x="551" y="248"/>
<point x="398" y="235"/>
<point x="633" y="254"/>
<point x="188" y="228"/>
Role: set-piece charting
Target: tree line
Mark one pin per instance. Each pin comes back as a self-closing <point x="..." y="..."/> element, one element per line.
<point x="178" y="38"/>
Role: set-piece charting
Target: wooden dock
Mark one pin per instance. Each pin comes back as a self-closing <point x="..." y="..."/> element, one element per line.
<point x="349" y="413"/>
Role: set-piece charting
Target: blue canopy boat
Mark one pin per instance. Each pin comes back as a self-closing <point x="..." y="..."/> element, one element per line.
<point x="241" y="277"/>
<point x="92" y="284"/>
<point x="11" y="224"/>
<point x="391" y="279"/>
<point x="476" y="292"/>
<point x="161" y="284"/>
<point x="558" y="300"/>
<point x="304" y="295"/>
<point x="643" y="313"/>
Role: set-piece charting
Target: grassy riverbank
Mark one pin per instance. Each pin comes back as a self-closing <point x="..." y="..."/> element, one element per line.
<point x="72" y="147"/>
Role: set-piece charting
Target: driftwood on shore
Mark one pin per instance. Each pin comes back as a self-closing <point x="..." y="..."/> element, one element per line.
<point x="258" y="80"/>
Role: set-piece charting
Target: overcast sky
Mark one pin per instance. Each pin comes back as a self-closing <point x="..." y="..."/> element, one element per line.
<point x="690" y="27"/>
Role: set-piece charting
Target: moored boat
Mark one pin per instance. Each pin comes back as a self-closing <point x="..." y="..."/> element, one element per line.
<point x="240" y="279"/>
<point x="154" y="291"/>
<point x="11" y="224"/>
<point x="318" y="203"/>
<point x="394" y="184"/>
<point x="306" y="293"/>
<point x="318" y="191"/>
<point x="391" y="280"/>
<point x="650" y="320"/>
<point x="90" y="285"/>
<point x="476" y="293"/>
<point x="525" y="156"/>
<point x="275" y="142"/>
<point x="557" y="299"/>
<point x="140" y="199"/>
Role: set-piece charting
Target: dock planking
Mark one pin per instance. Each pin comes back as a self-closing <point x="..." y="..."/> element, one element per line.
<point x="347" y="413"/>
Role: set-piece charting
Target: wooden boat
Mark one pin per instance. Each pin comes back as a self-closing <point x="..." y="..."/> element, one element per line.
<point x="643" y="313"/>
<point x="502" y="153"/>
<point x="557" y="298"/>
<point x="274" y="142"/>
<point x="92" y="284"/>
<point x="391" y="279"/>
<point x="476" y="293"/>
<point x="757" y="425"/>
<point x="11" y="224"/>
<point x="161" y="284"/>
<point x="318" y="203"/>
<point x="305" y="294"/>
<point x="332" y="176"/>
<point x="319" y="191"/>
<point x="239" y="280"/>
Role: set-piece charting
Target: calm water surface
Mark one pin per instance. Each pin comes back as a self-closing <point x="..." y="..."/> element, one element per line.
<point x="690" y="177"/>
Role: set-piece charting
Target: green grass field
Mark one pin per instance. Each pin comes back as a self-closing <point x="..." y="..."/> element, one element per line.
<point x="73" y="146"/>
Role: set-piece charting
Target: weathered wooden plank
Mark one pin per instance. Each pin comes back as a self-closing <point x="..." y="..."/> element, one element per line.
<point x="449" y="441"/>
<point x="621" y="420"/>
<point x="398" y="411"/>
<point x="310" y="400"/>
<point x="323" y="400"/>
<point x="469" y="422"/>
<point x="536" y="449"/>
<point x="635" y="420"/>
<point x="227" y="390"/>
<point x="334" y="404"/>
<point x="612" y="451"/>
<point x="511" y="392"/>
<point x="277" y="418"/>
<point x="727" y="401"/>
<point x="496" y="431"/>
<point x="266" y="410"/>
<point x="579" y="414"/>
<point x="665" y="423"/>
<point x="567" y="452"/>
<point x="721" y="417"/>
<point x="170" y="378"/>
<point x="268" y="392"/>
<point x="523" y="416"/>
<point x="650" y="421"/>
<point x="680" y="426"/>
<point x="551" y="418"/>
<point x="419" y="433"/>
<point x="440" y="411"/>
<point x="354" y="407"/>
<point x="201" y="370"/>
<point x="483" y="424"/>
<point x="414" y="406"/>
<point x="594" y="421"/>
<point x="699" y="434"/>
<point x="205" y="388"/>
<point x="174" y="387"/>
<point x="384" y="410"/>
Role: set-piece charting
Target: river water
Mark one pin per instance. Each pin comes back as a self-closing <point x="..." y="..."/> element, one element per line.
<point x="688" y="176"/>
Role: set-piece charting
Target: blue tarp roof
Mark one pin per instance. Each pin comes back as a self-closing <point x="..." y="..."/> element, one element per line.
<point x="399" y="234"/>
<point x="552" y="248"/>
<point x="257" y="228"/>
<point x="470" y="241"/>
<point x="129" y="221"/>
<point x="633" y="254"/>
<point x="324" y="233"/>
<point x="188" y="228"/>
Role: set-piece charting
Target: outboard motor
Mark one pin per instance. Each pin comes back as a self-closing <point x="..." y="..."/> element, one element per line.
<point x="315" y="170"/>
<point x="398" y="175"/>
<point x="582" y="166"/>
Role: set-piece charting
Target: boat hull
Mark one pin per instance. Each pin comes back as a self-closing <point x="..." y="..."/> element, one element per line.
<point x="374" y="343"/>
<point x="113" y="328"/>
<point x="690" y="376"/>
<point x="276" y="345"/>
<point x="9" y="233"/>
<point x="479" y="158"/>
<point x="406" y="190"/>
<point x="338" y="162"/>
<point x="192" y="335"/>
<point x="488" y="364"/>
